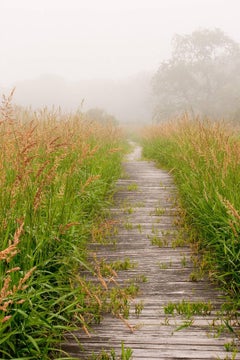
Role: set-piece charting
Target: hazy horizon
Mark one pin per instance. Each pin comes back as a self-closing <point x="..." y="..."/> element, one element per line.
<point x="104" y="39"/>
<point x="98" y="41"/>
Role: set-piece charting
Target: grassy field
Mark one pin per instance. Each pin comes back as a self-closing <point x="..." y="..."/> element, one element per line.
<point x="57" y="174"/>
<point x="204" y="158"/>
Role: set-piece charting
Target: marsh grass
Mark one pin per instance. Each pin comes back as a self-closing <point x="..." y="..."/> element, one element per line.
<point x="204" y="159"/>
<point x="56" y="175"/>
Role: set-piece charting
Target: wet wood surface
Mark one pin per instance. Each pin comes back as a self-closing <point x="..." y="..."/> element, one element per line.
<point x="150" y="195"/>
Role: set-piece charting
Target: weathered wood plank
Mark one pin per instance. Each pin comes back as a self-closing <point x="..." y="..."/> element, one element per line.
<point x="144" y="189"/>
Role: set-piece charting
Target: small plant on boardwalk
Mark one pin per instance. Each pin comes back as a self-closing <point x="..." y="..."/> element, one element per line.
<point x="178" y="242"/>
<point x="163" y="266"/>
<point x="132" y="187"/>
<point x="158" y="241"/>
<point x="110" y="268"/>
<point x="183" y="261"/>
<point x="128" y="226"/>
<point x="155" y="240"/>
<point x="139" y="204"/>
<point x="188" y="309"/>
<point x="140" y="279"/>
<point x="231" y="346"/>
<point x="126" y="354"/>
<point x="139" y="227"/>
<point x="129" y="210"/>
<point x="196" y="275"/>
<point x="158" y="211"/>
<point x="139" y="308"/>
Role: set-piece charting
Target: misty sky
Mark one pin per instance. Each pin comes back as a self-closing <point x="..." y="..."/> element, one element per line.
<point x="100" y="38"/>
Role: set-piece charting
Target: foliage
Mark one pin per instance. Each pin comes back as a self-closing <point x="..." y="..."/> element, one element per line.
<point x="57" y="173"/>
<point x="201" y="77"/>
<point x="100" y="115"/>
<point x="126" y="354"/>
<point x="204" y="158"/>
<point x="188" y="309"/>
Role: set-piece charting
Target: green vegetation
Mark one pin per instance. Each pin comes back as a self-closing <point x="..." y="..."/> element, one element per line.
<point x="132" y="187"/>
<point x="57" y="174"/>
<point x="126" y="354"/>
<point x="159" y="211"/>
<point x="188" y="309"/>
<point x="115" y="266"/>
<point x="156" y="240"/>
<point x="204" y="158"/>
<point x="199" y="77"/>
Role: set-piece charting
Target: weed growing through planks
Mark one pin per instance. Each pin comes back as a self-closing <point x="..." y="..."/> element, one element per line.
<point x="155" y="240"/>
<point x="140" y="279"/>
<point x="158" y="241"/>
<point x="231" y="346"/>
<point x="139" y="308"/>
<point x="139" y="227"/>
<point x="164" y="266"/>
<point x="183" y="261"/>
<point x="178" y="242"/>
<point x="127" y="207"/>
<point x="185" y="324"/>
<point x="139" y="204"/>
<point x="169" y="232"/>
<point x="132" y="187"/>
<point x="110" y="268"/>
<point x="111" y="299"/>
<point x="125" y="175"/>
<point x="188" y="309"/>
<point x="229" y="357"/>
<point x="159" y="211"/>
<point x="132" y="289"/>
<point x="128" y="226"/>
<point x="119" y="304"/>
<point x="126" y="354"/>
<point x="154" y="230"/>
<point x="196" y="275"/>
<point x="129" y="210"/>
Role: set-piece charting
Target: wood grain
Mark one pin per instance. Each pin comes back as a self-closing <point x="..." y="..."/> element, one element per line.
<point x="168" y="276"/>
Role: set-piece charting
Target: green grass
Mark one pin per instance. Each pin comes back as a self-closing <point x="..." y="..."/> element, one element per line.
<point x="132" y="187"/>
<point x="204" y="159"/>
<point x="57" y="176"/>
<point x="188" y="309"/>
<point x="126" y="354"/>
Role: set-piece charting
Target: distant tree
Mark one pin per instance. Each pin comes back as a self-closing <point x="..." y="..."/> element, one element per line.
<point x="98" y="114"/>
<point x="202" y="76"/>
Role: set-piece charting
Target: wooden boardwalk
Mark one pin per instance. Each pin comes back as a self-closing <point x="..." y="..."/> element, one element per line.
<point x="150" y="194"/>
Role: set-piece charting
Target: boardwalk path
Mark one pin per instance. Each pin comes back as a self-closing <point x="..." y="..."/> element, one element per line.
<point x="168" y="271"/>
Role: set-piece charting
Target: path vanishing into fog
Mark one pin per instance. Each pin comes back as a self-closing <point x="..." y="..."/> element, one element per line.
<point x="149" y="235"/>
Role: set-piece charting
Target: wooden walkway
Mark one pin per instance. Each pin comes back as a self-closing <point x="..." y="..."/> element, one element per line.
<point x="150" y="194"/>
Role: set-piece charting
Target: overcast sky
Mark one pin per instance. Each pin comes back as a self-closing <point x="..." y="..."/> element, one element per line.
<point x="100" y="38"/>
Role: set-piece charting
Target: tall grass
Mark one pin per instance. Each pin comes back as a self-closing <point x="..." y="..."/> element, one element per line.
<point x="56" y="174"/>
<point x="205" y="160"/>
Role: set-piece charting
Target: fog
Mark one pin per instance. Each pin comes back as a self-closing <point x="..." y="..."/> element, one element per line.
<point x="129" y="99"/>
<point x="103" y="54"/>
